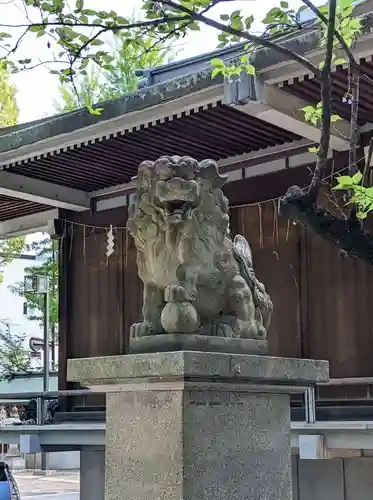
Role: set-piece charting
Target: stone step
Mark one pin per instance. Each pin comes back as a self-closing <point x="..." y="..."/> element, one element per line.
<point x="80" y="416"/>
<point x="88" y="408"/>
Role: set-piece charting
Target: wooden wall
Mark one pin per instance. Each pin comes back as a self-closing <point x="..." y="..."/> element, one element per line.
<point x="322" y="301"/>
<point x="100" y="297"/>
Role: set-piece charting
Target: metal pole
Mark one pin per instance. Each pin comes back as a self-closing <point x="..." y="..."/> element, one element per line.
<point x="46" y="368"/>
<point x="46" y="343"/>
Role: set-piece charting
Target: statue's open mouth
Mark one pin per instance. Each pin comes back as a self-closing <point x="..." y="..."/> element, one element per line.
<point x="176" y="210"/>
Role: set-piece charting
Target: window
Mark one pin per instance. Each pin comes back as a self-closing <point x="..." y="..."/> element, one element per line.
<point x="29" y="311"/>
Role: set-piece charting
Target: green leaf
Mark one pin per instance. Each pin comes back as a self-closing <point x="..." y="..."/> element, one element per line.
<point x="216" y="72"/>
<point x="313" y="150"/>
<point x="249" y="21"/>
<point x="356" y="178"/>
<point x="345" y="180"/>
<point x="121" y="20"/>
<point x="194" y="27"/>
<point x="245" y="58"/>
<point x="340" y="61"/>
<point x="369" y="192"/>
<point x="94" y="111"/>
<point x="224" y="17"/>
<point x="97" y="42"/>
<point x="249" y="68"/>
<point x="307" y="109"/>
<point x="5" y="35"/>
<point x="284" y="4"/>
<point x="217" y="63"/>
<point x="89" y="12"/>
<point x="361" y="215"/>
<point x="335" y="118"/>
<point x="36" y="27"/>
<point x="355" y="24"/>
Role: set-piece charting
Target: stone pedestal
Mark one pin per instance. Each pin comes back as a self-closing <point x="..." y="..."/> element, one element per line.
<point x="197" y="426"/>
<point x="92" y="470"/>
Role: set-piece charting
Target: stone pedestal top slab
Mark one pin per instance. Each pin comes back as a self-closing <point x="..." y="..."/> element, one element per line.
<point x="180" y="342"/>
<point x="197" y="366"/>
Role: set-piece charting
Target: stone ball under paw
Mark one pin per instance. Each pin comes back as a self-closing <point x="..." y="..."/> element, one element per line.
<point x="179" y="317"/>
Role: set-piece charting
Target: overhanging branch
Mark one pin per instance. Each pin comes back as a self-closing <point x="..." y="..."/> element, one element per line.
<point x="257" y="40"/>
<point x="326" y="100"/>
<point x="337" y="34"/>
<point x="347" y="235"/>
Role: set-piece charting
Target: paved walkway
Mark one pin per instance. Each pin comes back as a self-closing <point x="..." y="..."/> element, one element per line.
<point x="57" y="486"/>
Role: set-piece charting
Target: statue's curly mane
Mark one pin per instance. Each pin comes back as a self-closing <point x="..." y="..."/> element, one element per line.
<point x="209" y="221"/>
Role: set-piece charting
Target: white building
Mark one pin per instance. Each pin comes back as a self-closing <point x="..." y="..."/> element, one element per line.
<point x="13" y="311"/>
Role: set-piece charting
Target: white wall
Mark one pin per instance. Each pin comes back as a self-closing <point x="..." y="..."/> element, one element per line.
<point x="11" y="305"/>
<point x="60" y="460"/>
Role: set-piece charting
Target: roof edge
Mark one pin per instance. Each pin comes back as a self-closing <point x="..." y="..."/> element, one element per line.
<point x="143" y="108"/>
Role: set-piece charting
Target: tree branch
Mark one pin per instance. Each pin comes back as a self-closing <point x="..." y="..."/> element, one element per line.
<point x="337" y="34"/>
<point x="368" y="161"/>
<point x="140" y="24"/>
<point x="354" y="127"/>
<point x="354" y="130"/>
<point x="347" y="235"/>
<point x="326" y="99"/>
<point x="351" y="58"/>
<point x="262" y="42"/>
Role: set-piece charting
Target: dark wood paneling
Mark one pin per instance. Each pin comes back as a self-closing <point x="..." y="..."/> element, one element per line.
<point x="274" y="243"/>
<point x="63" y="326"/>
<point x="340" y="306"/>
<point x="97" y="296"/>
<point x="322" y="301"/>
<point x="104" y="294"/>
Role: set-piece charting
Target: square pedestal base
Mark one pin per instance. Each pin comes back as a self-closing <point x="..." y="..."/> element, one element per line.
<point x="197" y="445"/>
<point x="197" y="426"/>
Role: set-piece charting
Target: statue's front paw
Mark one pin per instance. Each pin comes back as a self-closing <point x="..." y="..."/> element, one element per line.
<point x="176" y="293"/>
<point x="141" y="330"/>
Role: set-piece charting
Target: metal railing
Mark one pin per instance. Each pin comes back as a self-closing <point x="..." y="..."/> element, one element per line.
<point x="42" y="397"/>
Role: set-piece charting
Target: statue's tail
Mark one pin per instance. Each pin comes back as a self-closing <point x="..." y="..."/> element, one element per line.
<point x="262" y="300"/>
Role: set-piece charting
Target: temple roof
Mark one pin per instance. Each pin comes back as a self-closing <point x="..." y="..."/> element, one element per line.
<point x="178" y="109"/>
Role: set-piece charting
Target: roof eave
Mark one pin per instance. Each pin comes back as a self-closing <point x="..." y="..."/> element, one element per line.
<point x="130" y="112"/>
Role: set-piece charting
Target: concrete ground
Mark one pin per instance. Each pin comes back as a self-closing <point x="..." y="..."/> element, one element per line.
<point x="52" y="487"/>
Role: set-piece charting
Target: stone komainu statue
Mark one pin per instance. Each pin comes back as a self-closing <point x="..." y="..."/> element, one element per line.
<point x="196" y="280"/>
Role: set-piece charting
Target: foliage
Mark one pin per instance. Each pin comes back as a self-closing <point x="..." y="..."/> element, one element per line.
<point x="47" y="250"/>
<point x="76" y="38"/>
<point x="14" y="358"/>
<point x="10" y="248"/>
<point x="361" y="196"/>
<point x="8" y="104"/>
<point x="99" y="84"/>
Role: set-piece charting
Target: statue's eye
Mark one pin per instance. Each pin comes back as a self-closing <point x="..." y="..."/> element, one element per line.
<point x="165" y="173"/>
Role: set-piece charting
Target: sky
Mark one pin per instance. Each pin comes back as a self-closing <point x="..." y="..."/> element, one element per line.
<point x="38" y="89"/>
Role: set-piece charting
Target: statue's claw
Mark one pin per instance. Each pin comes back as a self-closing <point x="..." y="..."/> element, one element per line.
<point x="176" y="293"/>
<point x="142" y="330"/>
